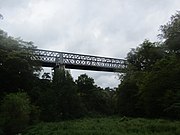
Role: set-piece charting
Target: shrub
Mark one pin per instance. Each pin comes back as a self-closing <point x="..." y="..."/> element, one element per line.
<point x="15" y="113"/>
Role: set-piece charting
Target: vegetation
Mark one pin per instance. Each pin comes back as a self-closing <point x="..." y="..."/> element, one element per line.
<point x="149" y="88"/>
<point x="15" y="112"/>
<point x="17" y="70"/>
<point x="107" y="126"/>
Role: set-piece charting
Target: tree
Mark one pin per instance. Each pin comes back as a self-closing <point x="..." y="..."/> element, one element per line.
<point x="86" y="88"/>
<point x="159" y="88"/>
<point x="127" y="98"/>
<point x="43" y="95"/>
<point x="15" y="113"/>
<point x="17" y="70"/>
<point x="95" y="99"/>
<point x="145" y="56"/>
<point x="85" y="84"/>
<point x="150" y="85"/>
<point x="140" y="62"/>
<point x="171" y="34"/>
<point x="68" y="103"/>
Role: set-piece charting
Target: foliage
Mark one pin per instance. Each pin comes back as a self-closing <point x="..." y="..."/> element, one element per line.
<point x="108" y="126"/>
<point x="143" y="57"/>
<point x="44" y="96"/>
<point x="127" y="98"/>
<point x="95" y="99"/>
<point x="15" y="113"/>
<point x="171" y="34"/>
<point x="17" y="70"/>
<point x="150" y="87"/>
<point x="57" y="99"/>
<point x="67" y="100"/>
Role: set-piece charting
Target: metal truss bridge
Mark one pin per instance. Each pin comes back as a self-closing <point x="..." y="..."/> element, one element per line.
<point x="78" y="61"/>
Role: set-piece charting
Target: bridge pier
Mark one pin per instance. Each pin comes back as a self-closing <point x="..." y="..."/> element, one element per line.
<point x="59" y="62"/>
<point x="62" y="67"/>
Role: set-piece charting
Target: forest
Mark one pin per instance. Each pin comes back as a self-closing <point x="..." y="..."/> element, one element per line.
<point x="149" y="87"/>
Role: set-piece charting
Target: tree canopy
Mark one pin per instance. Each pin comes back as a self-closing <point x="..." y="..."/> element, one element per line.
<point x="150" y="87"/>
<point x="17" y="70"/>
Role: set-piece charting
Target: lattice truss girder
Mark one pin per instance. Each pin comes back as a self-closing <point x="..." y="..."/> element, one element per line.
<point x="63" y="58"/>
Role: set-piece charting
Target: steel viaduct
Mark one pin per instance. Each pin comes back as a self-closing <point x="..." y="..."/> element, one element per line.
<point x="78" y="61"/>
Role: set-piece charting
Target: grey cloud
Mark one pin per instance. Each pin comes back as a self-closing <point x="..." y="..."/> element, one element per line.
<point x="12" y="3"/>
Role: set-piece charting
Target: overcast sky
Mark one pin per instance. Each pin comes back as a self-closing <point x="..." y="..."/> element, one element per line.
<point x="97" y="27"/>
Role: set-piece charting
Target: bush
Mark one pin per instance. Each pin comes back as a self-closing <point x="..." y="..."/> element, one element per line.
<point x="15" y="113"/>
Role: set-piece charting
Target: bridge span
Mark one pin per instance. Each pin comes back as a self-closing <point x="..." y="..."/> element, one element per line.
<point x="78" y="61"/>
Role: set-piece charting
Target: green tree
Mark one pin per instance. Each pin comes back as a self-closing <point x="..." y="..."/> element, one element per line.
<point x="171" y="37"/>
<point x="85" y="84"/>
<point x="86" y="88"/>
<point x="140" y="62"/>
<point x="17" y="70"/>
<point x="127" y="98"/>
<point x="95" y="99"/>
<point x="171" y="34"/>
<point x="44" y="96"/>
<point x="68" y="103"/>
<point x="145" y="56"/>
<point x="160" y="87"/>
<point x="15" y="113"/>
<point x="150" y="85"/>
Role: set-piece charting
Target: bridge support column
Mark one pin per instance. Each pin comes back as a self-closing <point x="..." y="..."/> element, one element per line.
<point x="59" y="62"/>
<point x="60" y="67"/>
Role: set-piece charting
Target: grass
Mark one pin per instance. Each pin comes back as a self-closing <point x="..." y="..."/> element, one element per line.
<point x="107" y="126"/>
